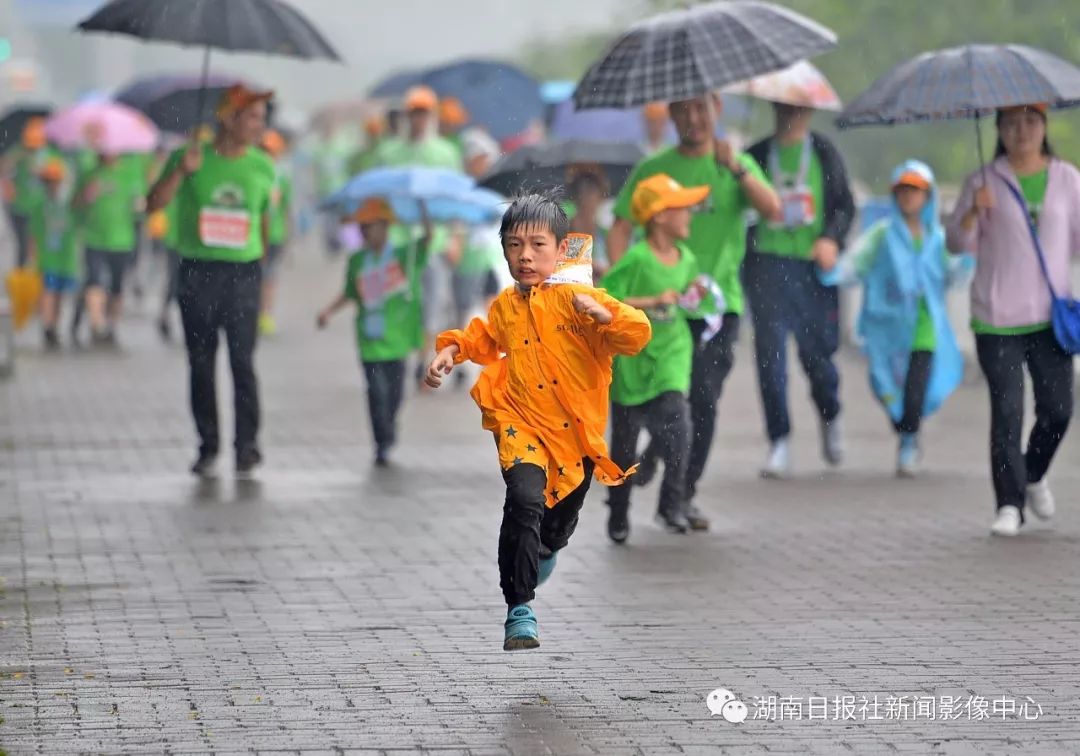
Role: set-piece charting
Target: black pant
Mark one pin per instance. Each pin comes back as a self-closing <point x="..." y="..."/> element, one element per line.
<point x="918" y="377"/>
<point x="667" y="418"/>
<point x="1002" y="359"/>
<point x="385" y="383"/>
<point x="712" y="364"/>
<point x="531" y="530"/>
<point x="217" y="296"/>
<point x="785" y="298"/>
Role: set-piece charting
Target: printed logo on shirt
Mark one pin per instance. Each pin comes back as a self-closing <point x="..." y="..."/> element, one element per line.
<point x="375" y="285"/>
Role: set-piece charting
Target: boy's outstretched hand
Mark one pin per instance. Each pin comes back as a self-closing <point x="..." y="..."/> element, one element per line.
<point x="586" y="305"/>
<point x="440" y="366"/>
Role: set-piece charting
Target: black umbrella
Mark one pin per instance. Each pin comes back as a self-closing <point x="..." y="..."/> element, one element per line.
<point x="687" y="53"/>
<point x="965" y="82"/>
<point x="543" y="167"/>
<point x="266" y="26"/>
<point x="172" y="101"/>
<point x="14" y="120"/>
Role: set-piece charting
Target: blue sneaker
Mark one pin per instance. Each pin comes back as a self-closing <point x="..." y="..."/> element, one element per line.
<point x="907" y="458"/>
<point x="521" y="630"/>
<point x="547" y="566"/>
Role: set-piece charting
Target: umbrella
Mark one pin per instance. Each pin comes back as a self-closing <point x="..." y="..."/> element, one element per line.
<point x="687" y="53"/>
<point x="498" y="96"/>
<point x="413" y="182"/>
<point x="14" y="121"/>
<point x="266" y="26"/>
<point x="544" y="167"/>
<point x="396" y="84"/>
<point x="474" y="207"/>
<point x="965" y="82"/>
<point x="107" y="127"/>
<point x="801" y="84"/>
<point x="172" y="101"/>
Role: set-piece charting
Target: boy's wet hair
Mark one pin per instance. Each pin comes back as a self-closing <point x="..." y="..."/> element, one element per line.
<point x="535" y="211"/>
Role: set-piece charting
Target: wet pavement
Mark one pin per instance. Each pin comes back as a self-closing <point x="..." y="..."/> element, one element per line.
<point x="329" y="607"/>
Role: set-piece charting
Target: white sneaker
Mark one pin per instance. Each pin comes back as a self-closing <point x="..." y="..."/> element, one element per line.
<point x="778" y="463"/>
<point x="1040" y="500"/>
<point x="832" y="442"/>
<point x="1007" y="522"/>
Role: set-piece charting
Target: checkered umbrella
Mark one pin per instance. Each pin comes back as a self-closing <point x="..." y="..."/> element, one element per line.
<point x="686" y="53"/>
<point x="965" y="82"/>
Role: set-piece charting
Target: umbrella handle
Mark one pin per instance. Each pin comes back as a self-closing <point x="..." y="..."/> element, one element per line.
<point x="979" y="146"/>
<point x="202" y="88"/>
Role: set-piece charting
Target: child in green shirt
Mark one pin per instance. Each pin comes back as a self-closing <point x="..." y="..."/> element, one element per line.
<point x="384" y="282"/>
<point x="649" y="389"/>
<point x="53" y="244"/>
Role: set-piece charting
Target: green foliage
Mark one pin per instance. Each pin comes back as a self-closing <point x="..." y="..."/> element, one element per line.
<point x="874" y="36"/>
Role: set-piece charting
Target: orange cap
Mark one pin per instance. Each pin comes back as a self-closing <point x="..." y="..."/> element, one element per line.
<point x="911" y="178"/>
<point x="273" y="142"/>
<point x="53" y="170"/>
<point x="373" y="211"/>
<point x="655" y="111"/>
<point x="238" y="97"/>
<point x="421" y="98"/>
<point x="33" y="135"/>
<point x="452" y="112"/>
<point x="1038" y="107"/>
<point x="375" y="126"/>
<point x="661" y="192"/>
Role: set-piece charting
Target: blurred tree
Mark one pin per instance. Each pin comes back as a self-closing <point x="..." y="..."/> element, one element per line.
<point x="874" y="36"/>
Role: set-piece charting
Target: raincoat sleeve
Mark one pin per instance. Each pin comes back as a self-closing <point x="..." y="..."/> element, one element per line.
<point x="853" y="265"/>
<point x="956" y="238"/>
<point x="959" y="270"/>
<point x="629" y="330"/>
<point x="477" y="342"/>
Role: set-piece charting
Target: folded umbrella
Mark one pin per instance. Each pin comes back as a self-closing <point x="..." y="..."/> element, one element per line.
<point x="964" y="82"/>
<point x="106" y="127"/>
<point x="544" y="167"/>
<point x="801" y="84"/>
<point x="687" y="53"/>
<point x="14" y="120"/>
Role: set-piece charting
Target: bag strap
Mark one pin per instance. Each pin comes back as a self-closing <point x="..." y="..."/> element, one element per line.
<point x="1034" y="234"/>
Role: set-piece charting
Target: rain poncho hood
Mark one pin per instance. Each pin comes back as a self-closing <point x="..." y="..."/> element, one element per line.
<point x="897" y="276"/>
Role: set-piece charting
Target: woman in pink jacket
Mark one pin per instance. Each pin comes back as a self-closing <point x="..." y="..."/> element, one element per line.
<point x="1010" y="303"/>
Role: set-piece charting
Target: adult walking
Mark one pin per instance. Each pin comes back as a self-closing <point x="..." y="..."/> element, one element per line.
<point x="718" y="240"/>
<point x="786" y="297"/>
<point x="223" y="195"/>
<point x="1026" y="191"/>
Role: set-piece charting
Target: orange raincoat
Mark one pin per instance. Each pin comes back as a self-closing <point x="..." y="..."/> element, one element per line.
<point x="544" y="389"/>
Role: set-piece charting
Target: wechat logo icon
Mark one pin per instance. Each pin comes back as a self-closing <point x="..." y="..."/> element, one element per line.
<point x="724" y="703"/>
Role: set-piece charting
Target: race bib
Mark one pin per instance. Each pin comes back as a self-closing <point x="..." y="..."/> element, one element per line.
<point x="377" y="284"/>
<point x="223" y="227"/>
<point x="797" y="207"/>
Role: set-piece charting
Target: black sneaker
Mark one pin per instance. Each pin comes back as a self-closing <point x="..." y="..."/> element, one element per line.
<point x="672" y="522"/>
<point x="205" y="466"/>
<point x="696" y="519"/>
<point x="247" y="460"/>
<point x="618" y="524"/>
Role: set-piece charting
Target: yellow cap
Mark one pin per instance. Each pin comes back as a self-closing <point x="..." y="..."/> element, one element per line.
<point x="661" y="192"/>
<point x="373" y="211"/>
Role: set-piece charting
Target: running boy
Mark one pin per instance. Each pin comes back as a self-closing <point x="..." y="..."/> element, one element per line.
<point x="904" y="268"/>
<point x="384" y="282"/>
<point x="649" y="390"/>
<point x="53" y="244"/>
<point x="547" y="350"/>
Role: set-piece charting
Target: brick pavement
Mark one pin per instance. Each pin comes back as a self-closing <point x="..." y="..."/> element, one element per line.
<point x="331" y="608"/>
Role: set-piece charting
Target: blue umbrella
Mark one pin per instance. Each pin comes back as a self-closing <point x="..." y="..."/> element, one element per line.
<point x="450" y="196"/>
<point x="554" y="92"/>
<point x="474" y="207"/>
<point x="500" y="97"/>
<point x="396" y="84"/>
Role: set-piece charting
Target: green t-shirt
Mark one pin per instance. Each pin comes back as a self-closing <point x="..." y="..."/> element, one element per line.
<point x="85" y="162"/>
<point x="433" y="152"/>
<point x="796" y="241"/>
<point x="172" y="236"/>
<point x="108" y="222"/>
<point x="220" y="207"/>
<point x="387" y="290"/>
<point x="29" y="190"/>
<point x="55" y="234"/>
<point x="664" y="364"/>
<point x="718" y="233"/>
<point x="280" y="202"/>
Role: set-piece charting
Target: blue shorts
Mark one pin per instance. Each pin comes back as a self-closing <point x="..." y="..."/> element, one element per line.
<point x="59" y="284"/>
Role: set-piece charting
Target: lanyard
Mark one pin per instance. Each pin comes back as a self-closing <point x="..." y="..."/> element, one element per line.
<point x="785" y="180"/>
